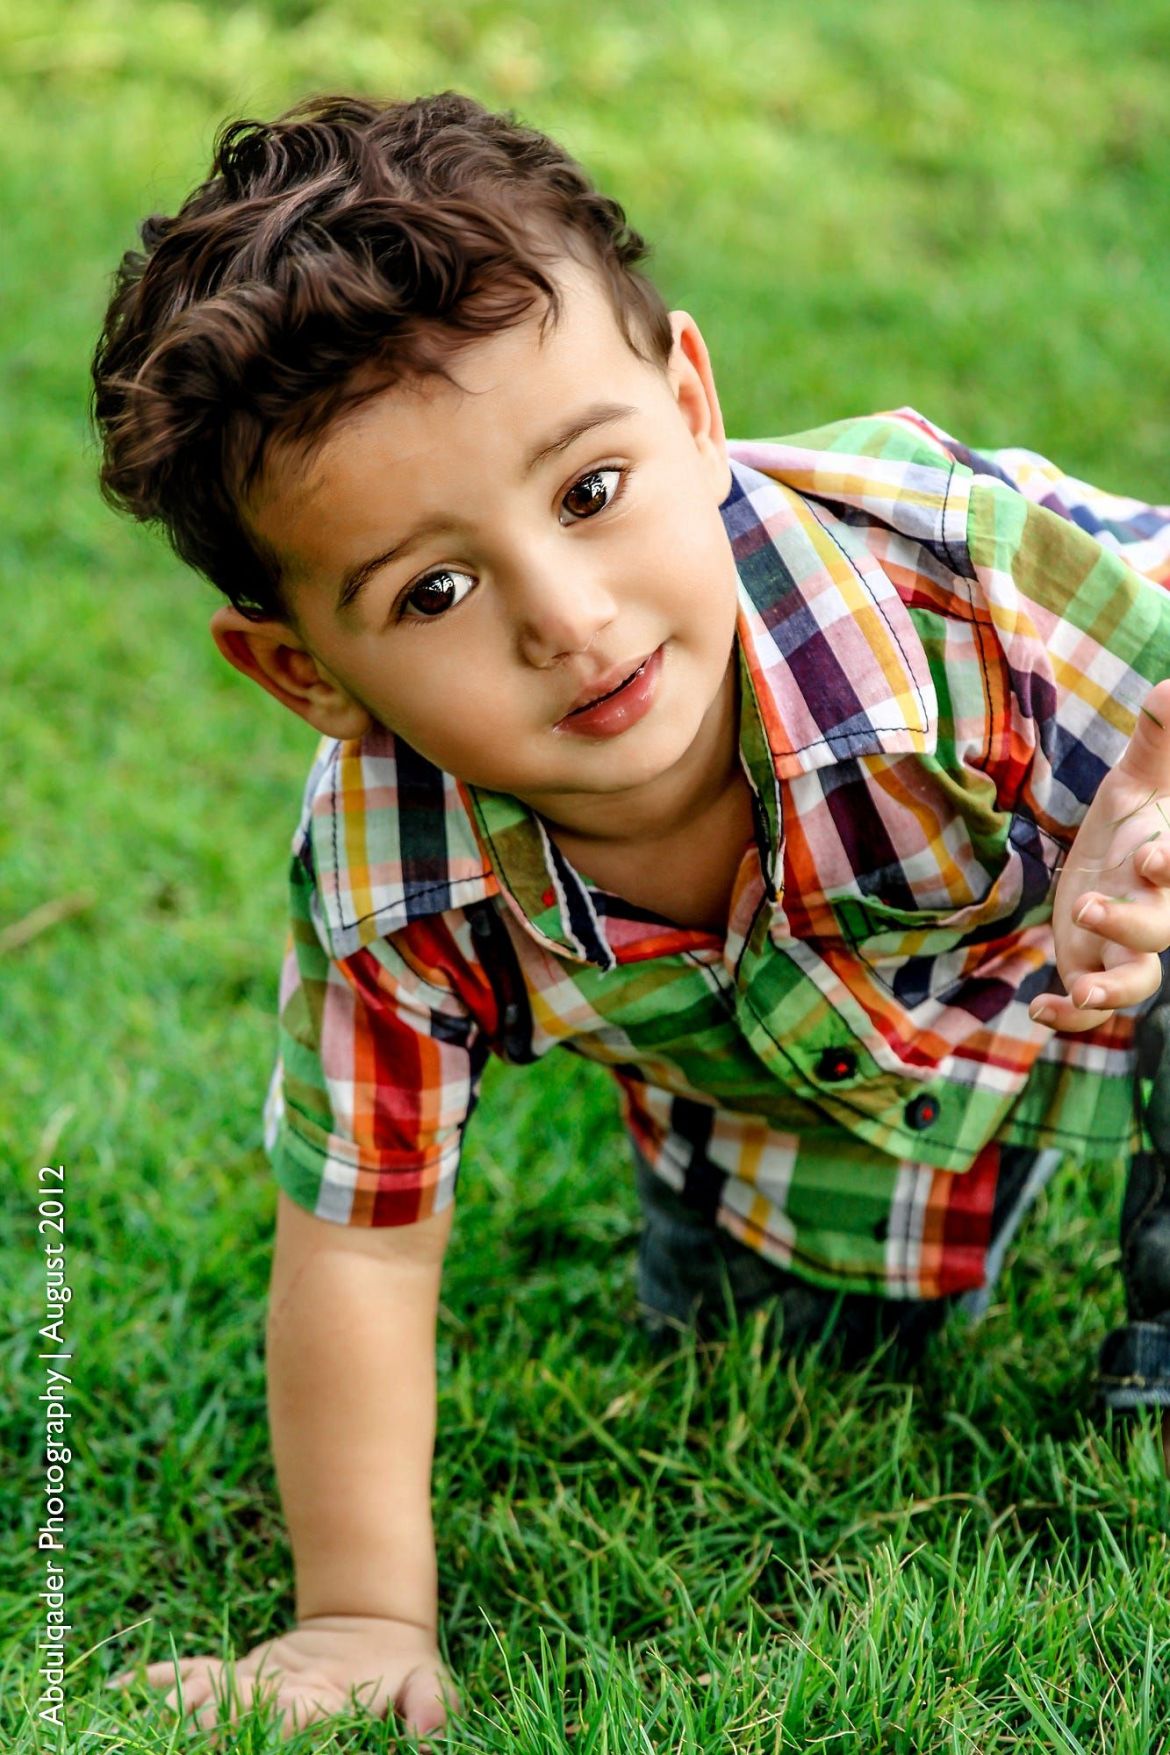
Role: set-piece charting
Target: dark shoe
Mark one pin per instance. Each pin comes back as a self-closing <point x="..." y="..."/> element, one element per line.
<point x="1134" y="1365"/>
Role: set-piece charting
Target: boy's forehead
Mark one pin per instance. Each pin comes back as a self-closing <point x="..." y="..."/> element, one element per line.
<point x="512" y="398"/>
<point x="568" y="348"/>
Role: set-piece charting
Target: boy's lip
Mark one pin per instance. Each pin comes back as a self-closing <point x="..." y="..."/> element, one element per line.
<point x="605" y="685"/>
<point x="607" y="704"/>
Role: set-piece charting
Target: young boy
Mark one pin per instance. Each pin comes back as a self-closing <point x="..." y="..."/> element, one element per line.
<point x="818" y="788"/>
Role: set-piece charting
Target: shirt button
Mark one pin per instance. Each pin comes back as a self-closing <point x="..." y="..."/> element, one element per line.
<point x="835" y="1064"/>
<point x="921" y="1112"/>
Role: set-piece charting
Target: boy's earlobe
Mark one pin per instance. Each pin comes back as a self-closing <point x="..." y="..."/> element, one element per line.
<point x="272" y="654"/>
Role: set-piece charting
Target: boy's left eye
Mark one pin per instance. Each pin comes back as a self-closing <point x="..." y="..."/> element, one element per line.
<point x="591" y="494"/>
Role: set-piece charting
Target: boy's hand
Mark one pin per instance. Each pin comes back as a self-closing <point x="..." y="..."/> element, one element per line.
<point x="1111" y="915"/>
<point x="315" y="1671"/>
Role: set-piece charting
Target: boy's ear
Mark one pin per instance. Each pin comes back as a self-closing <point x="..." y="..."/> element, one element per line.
<point x="693" y="383"/>
<point x="273" y="655"/>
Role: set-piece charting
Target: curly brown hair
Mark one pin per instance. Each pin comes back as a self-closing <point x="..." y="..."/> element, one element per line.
<point x="330" y="254"/>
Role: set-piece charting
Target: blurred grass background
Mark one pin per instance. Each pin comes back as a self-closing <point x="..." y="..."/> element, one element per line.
<point x="958" y="205"/>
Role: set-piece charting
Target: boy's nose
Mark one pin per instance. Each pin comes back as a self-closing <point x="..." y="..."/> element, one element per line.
<point x="559" y="608"/>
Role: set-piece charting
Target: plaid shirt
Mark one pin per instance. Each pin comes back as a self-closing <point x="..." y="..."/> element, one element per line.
<point x="940" y="656"/>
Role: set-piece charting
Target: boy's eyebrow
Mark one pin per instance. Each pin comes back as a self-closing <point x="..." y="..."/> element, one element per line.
<point x="353" y="581"/>
<point x="599" y="415"/>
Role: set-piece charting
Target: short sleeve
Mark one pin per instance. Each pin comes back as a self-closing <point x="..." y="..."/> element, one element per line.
<point x="1071" y="638"/>
<point x="378" y="1071"/>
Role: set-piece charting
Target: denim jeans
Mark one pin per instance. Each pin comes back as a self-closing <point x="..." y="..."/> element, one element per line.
<point x="690" y="1272"/>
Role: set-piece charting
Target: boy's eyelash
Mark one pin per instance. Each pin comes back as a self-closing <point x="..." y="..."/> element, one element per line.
<point x="399" y="615"/>
<point x="622" y="470"/>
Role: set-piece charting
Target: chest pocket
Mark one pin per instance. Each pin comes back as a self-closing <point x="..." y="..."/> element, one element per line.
<point x="922" y="952"/>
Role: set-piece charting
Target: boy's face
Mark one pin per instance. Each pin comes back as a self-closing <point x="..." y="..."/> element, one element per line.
<point x="513" y="545"/>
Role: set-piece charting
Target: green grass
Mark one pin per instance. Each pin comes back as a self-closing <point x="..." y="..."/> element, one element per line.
<point x="958" y="206"/>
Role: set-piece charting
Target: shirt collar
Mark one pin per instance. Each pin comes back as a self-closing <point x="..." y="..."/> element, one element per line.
<point x="830" y="668"/>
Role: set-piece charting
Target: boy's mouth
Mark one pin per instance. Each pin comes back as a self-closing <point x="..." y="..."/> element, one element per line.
<point x="609" y="711"/>
<point x="606" y="694"/>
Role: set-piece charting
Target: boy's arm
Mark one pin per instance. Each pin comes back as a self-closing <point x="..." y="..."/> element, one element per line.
<point x="351" y="1401"/>
<point x="351" y="1371"/>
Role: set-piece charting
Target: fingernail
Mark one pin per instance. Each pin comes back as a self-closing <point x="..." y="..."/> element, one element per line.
<point x="1042" y="1014"/>
<point x="1094" y="997"/>
<point x="1088" y="913"/>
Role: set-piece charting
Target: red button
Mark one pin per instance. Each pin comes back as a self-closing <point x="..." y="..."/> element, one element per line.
<point x="548" y="898"/>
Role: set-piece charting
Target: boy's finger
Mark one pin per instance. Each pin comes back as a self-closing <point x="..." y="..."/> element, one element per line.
<point x="1147" y="754"/>
<point x="1153" y="862"/>
<point x="160" y="1674"/>
<point x="207" y="1715"/>
<point x="1056" y="1012"/>
<point x="422" y="1700"/>
<point x="195" y="1694"/>
<point x="215" y="1707"/>
<point x="1093" y="995"/>
<point x="1123" y="984"/>
<point x="197" y="1681"/>
<point x="224" y="1705"/>
<point x="1139" y="926"/>
<point x="303" y="1710"/>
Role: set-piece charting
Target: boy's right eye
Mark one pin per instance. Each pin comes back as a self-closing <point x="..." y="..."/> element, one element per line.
<point x="434" y="595"/>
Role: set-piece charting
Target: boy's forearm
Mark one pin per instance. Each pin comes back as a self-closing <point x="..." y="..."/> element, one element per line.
<point x="351" y="1397"/>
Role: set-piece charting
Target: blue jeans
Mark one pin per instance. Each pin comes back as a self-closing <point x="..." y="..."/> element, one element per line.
<point x="1134" y="1369"/>
<point x="689" y="1271"/>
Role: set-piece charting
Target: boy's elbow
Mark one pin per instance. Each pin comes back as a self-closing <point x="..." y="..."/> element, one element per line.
<point x="301" y="1237"/>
